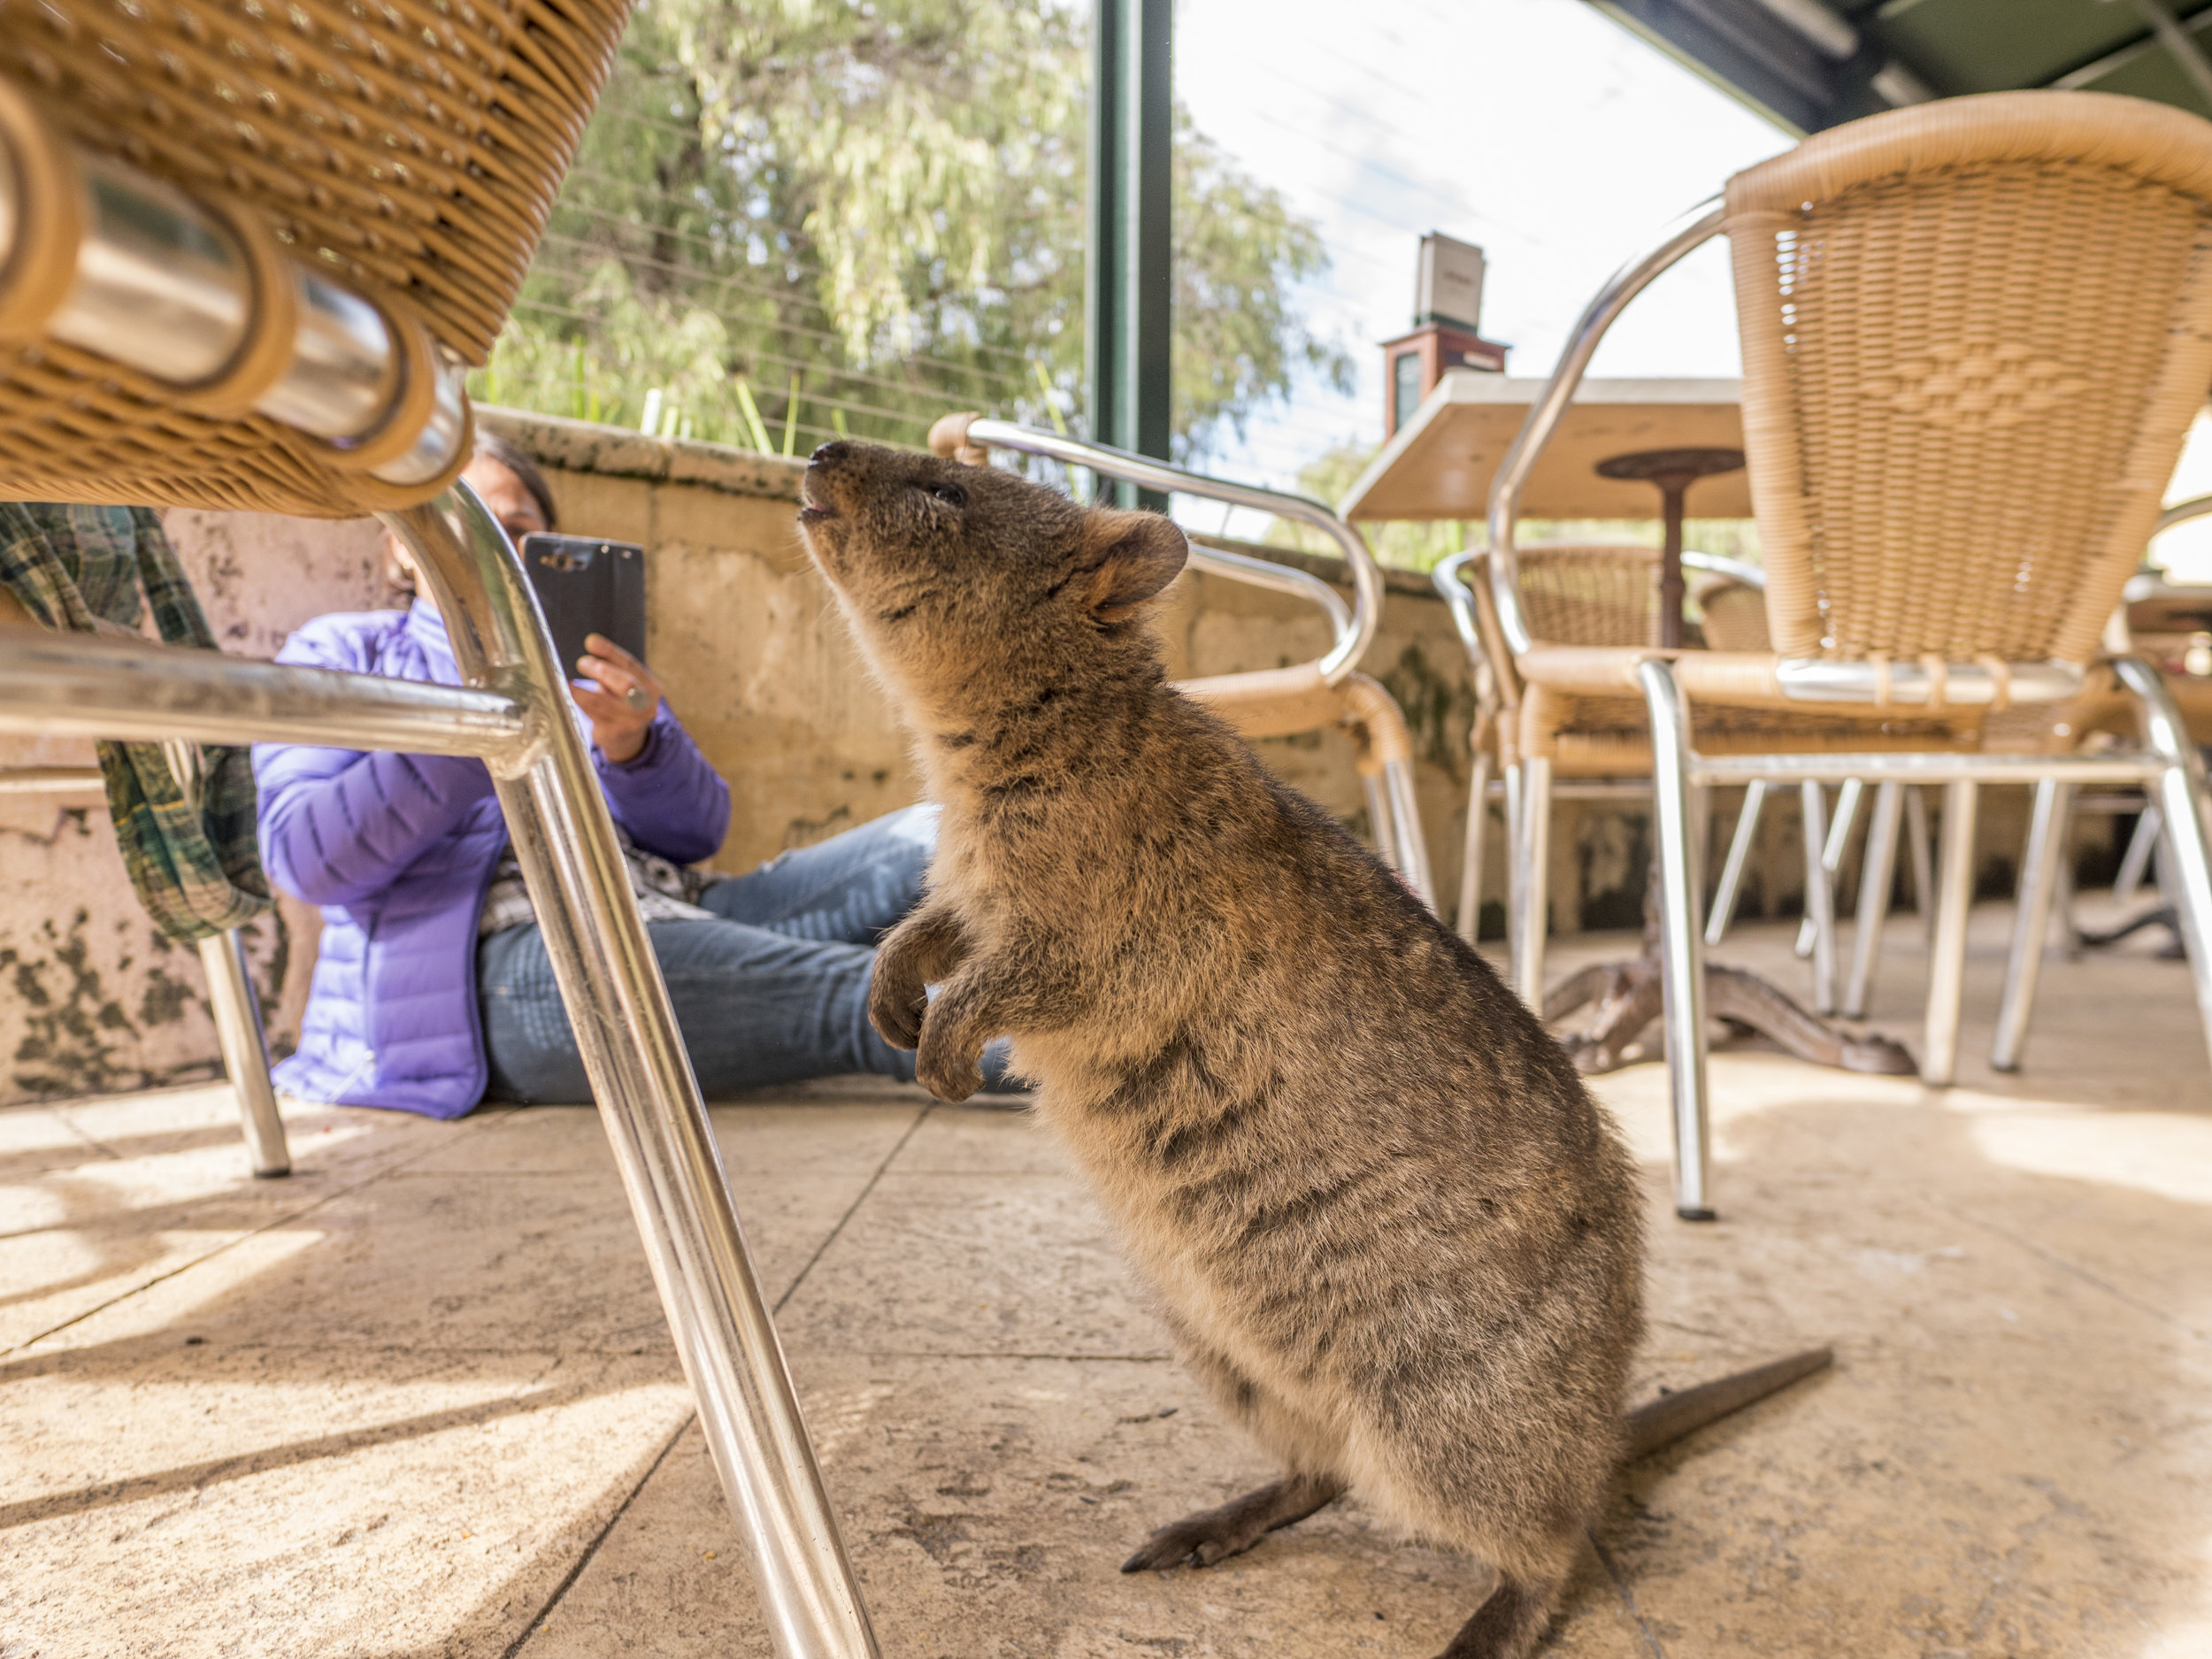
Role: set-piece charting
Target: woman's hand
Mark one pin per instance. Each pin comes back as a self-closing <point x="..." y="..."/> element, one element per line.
<point x="622" y="701"/>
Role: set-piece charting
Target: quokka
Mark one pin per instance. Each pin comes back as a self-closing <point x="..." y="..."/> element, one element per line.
<point x="1385" y="1223"/>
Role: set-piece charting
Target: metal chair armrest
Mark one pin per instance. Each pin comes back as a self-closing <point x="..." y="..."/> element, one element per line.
<point x="960" y="434"/>
<point x="1216" y="560"/>
<point x="2181" y="511"/>
<point x="1497" y="677"/>
<point x="1459" y="599"/>
<point x="1720" y="564"/>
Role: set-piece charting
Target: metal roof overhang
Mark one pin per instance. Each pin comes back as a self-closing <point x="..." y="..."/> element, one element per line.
<point x="1806" y="64"/>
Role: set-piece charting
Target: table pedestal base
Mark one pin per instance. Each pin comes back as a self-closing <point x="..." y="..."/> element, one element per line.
<point x="2165" y="916"/>
<point x="1630" y="1000"/>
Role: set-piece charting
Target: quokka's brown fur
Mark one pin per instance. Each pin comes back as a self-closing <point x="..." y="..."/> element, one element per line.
<point x="1386" y="1224"/>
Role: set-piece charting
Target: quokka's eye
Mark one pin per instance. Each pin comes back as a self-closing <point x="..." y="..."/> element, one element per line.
<point x="951" y="494"/>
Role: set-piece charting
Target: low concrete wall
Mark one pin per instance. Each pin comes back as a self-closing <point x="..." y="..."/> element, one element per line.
<point x="760" y="668"/>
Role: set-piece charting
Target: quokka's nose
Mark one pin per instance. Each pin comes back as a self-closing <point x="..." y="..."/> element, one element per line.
<point x="835" y="450"/>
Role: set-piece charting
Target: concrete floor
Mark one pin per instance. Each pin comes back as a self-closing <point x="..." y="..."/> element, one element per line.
<point x="418" y="1400"/>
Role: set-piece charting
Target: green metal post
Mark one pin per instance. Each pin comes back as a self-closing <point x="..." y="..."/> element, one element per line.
<point x="1129" y="273"/>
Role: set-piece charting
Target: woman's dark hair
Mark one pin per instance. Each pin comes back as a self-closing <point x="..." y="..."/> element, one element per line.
<point x="491" y="447"/>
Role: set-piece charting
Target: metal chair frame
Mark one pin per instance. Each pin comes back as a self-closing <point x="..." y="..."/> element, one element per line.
<point x="513" y="714"/>
<point x="2045" y="883"/>
<point x="231" y="998"/>
<point x="2167" y="765"/>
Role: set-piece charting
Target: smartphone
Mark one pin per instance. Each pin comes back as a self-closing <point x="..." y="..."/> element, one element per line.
<point x="588" y="586"/>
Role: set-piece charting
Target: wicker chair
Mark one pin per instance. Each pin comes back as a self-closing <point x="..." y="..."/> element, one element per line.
<point x="1581" y="594"/>
<point x="246" y="254"/>
<point x="1974" y="334"/>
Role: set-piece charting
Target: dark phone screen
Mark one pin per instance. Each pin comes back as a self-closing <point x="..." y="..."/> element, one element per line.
<point x="587" y="585"/>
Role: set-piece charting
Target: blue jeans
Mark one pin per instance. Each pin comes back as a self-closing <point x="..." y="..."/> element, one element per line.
<point x="775" y="992"/>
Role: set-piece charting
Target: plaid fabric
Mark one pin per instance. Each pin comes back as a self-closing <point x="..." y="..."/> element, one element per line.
<point x="189" y="843"/>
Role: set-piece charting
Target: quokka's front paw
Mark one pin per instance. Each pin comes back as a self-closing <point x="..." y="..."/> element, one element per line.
<point x="895" y="1009"/>
<point x="946" y="1073"/>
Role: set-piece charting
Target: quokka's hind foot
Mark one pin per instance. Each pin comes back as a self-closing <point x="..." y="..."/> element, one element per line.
<point x="1211" y="1535"/>
<point x="1509" y="1624"/>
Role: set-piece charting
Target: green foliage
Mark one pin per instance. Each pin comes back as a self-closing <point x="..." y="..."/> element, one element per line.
<point x="797" y="218"/>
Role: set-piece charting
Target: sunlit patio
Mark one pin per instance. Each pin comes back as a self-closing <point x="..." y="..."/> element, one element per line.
<point x="420" y="1399"/>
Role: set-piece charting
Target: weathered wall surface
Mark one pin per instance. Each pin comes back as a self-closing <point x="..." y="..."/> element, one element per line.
<point x="758" y="664"/>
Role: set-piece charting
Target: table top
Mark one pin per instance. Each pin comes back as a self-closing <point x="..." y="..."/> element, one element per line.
<point x="1439" y="464"/>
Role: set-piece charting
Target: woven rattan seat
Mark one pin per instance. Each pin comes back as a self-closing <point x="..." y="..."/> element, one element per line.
<point x="1590" y="609"/>
<point x="408" y="150"/>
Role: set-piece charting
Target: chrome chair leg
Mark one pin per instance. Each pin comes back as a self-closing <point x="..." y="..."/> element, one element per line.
<point x="1411" y="856"/>
<point x="1513" y="795"/>
<point x="1681" y="942"/>
<point x="1947" y="961"/>
<point x="237" y="1011"/>
<point x="1817" y="935"/>
<point x="1833" y="845"/>
<point x="1532" y="876"/>
<point x="1382" y="825"/>
<point x="1876" y="870"/>
<point x="1732" y="870"/>
<point x="1921" y="845"/>
<point x="2187" y="863"/>
<point x="2135" y="864"/>
<point x="2063" y="892"/>
<point x="648" y="1099"/>
<point x="2031" y="923"/>
<point x="1476" y="846"/>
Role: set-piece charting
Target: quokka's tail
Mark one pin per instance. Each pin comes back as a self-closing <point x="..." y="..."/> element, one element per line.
<point x="1671" y="1416"/>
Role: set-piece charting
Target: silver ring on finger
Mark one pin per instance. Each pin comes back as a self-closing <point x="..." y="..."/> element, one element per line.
<point x="638" y="698"/>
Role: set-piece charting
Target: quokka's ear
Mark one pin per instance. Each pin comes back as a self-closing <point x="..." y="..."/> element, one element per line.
<point x="1132" y="555"/>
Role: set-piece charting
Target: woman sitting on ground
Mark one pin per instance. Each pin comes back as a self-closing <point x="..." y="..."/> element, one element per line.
<point x="433" y="989"/>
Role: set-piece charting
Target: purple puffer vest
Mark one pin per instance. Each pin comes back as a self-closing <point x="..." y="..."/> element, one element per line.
<point x="398" y="850"/>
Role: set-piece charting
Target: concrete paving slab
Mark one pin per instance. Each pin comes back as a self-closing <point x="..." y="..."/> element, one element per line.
<point x="482" y="1262"/>
<point x="35" y="1139"/>
<point x="758" y="1137"/>
<point x="456" y="1485"/>
<point x="989" y="1506"/>
<point x="976" y="1264"/>
<point x="205" y="1117"/>
<point x="975" y="1141"/>
<point x="2011" y="1458"/>
<point x="126" y="1192"/>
